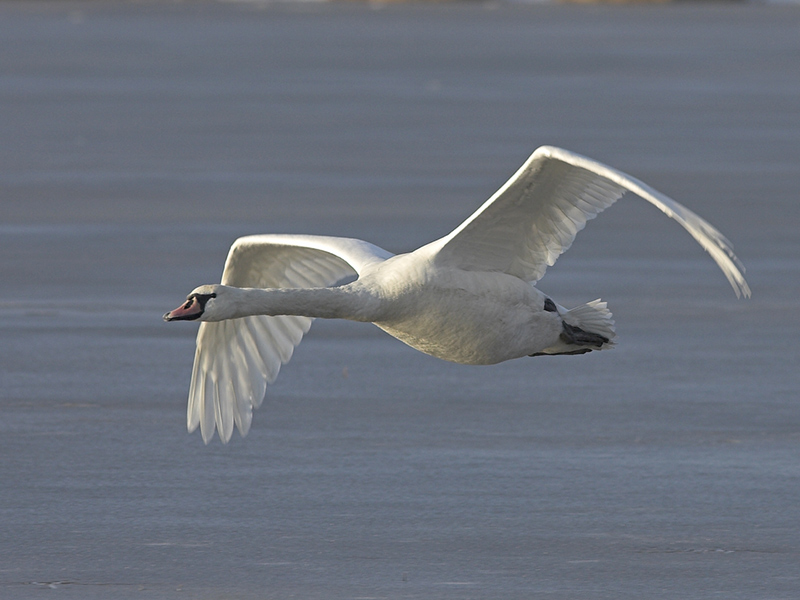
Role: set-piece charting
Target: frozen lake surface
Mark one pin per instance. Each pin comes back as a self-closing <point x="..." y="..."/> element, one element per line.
<point x="140" y="139"/>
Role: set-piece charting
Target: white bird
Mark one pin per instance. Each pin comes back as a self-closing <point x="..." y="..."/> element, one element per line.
<point x="468" y="297"/>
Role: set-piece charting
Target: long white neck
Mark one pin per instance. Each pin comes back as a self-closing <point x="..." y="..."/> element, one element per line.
<point x="345" y="302"/>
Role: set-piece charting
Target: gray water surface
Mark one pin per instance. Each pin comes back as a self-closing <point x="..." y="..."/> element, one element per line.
<point x="140" y="139"/>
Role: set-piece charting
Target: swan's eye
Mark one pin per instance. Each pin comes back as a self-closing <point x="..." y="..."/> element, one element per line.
<point x="202" y="298"/>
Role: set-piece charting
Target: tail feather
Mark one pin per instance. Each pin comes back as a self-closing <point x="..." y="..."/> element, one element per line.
<point x="587" y="327"/>
<point x="593" y="317"/>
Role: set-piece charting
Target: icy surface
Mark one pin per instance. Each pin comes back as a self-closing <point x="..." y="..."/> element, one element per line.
<point x="140" y="139"/>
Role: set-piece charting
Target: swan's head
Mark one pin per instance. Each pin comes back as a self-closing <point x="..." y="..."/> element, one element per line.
<point x="206" y="303"/>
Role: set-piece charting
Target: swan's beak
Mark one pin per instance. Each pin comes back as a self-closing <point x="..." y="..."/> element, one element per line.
<point x="189" y="311"/>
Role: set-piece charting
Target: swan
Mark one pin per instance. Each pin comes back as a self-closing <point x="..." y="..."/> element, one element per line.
<point x="468" y="297"/>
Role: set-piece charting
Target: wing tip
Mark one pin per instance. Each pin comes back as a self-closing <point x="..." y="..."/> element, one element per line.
<point x="740" y="286"/>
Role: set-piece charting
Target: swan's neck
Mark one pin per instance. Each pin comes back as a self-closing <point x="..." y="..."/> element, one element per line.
<point x="343" y="302"/>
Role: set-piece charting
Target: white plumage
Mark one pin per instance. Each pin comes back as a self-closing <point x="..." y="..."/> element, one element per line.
<point x="467" y="297"/>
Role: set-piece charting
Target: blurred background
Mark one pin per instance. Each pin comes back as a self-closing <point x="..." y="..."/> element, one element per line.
<point x="141" y="138"/>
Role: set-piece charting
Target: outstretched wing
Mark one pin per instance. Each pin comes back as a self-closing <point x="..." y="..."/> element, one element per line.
<point x="535" y="216"/>
<point x="236" y="359"/>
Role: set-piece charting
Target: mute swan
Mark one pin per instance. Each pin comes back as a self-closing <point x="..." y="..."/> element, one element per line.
<point x="468" y="297"/>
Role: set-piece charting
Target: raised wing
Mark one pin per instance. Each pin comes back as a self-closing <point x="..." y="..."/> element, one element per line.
<point x="236" y="359"/>
<point x="535" y="216"/>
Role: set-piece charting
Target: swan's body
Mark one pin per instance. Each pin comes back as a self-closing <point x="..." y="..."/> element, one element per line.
<point x="467" y="298"/>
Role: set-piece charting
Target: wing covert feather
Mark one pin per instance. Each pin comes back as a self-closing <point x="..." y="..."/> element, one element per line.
<point x="236" y="359"/>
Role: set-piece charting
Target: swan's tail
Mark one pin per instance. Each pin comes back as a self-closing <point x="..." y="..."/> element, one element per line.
<point x="593" y="317"/>
<point x="587" y="327"/>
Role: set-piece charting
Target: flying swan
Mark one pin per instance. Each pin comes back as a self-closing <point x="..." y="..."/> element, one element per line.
<point x="468" y="297"/>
